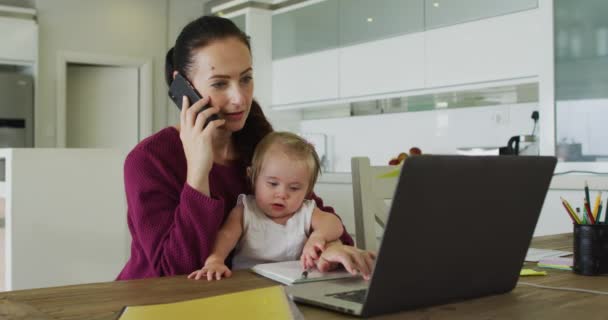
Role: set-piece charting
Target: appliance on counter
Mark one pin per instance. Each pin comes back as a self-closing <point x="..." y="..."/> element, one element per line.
<point x="16" y="112"/>
<point x="523" y="145"/>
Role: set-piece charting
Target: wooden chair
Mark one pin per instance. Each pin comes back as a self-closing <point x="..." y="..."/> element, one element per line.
<point x="372" y="192"/>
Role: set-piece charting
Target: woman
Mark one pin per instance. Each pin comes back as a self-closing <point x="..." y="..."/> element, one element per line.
<point x="183" y="181"/>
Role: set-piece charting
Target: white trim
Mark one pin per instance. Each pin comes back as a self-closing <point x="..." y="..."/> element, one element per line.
<point x="227" y="5"/>
<point x="235" y="3"/>
<point x="21" y="63"/>
<point x="415" y="92"/>
<point x="11" y="9"/>
<point x="546" y="86"/>
<point x="144" y="66"/>
<point x="237" y="13"/>
<point x="297" y="6"/>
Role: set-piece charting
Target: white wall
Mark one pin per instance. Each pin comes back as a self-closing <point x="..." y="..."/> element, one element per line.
<point x="134" y="28"/>
<point x="382" y="137"/>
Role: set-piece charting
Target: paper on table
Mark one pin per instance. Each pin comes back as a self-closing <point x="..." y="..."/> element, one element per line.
<point x="534" y="255"/>
<point x="290" y="272"/>
<point x="556" y="263"/>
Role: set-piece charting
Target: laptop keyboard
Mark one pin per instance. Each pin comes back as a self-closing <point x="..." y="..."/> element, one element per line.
<point x="353" y="296"/>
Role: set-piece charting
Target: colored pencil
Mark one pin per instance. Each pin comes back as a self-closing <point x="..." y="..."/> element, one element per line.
<point x="596" y="206"/>
<point x="571" y="213"/>
<point x="590" y="219"/>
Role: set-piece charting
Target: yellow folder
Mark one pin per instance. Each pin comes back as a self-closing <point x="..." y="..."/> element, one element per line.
<point x="266" y="303"/>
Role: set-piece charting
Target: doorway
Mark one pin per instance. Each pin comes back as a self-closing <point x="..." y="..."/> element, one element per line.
<point x="103" y="101"/>
<point x="102" y="106"/>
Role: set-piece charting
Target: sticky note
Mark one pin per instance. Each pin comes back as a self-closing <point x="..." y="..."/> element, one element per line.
<point x="530" y="272"/>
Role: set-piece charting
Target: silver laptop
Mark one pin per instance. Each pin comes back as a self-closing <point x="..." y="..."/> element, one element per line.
<point x="458" y="228"/>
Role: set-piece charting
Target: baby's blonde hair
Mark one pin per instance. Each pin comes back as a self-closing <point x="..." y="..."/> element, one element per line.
<point x="294" y="146"/>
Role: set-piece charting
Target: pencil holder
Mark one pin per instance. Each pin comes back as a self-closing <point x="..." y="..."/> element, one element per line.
<point x="590" y="249"/>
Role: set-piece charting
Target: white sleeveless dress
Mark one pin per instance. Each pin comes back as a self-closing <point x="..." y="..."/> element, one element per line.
<point x="265" y="241"/>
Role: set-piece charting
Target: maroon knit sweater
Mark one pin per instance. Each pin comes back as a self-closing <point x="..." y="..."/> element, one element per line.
<point x="172" y="225"/>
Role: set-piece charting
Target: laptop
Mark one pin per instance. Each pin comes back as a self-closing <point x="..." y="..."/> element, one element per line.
<point x="458" y="228"/>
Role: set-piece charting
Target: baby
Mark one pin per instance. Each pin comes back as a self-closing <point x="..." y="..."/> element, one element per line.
<point x="277" y="223"/>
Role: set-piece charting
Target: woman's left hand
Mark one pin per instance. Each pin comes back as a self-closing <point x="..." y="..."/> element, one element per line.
<point x="354" y="260"/>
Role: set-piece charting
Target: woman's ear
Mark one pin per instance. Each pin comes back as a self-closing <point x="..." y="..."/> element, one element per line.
<point x="174" y="74"/>
<point x="249" y="172"/>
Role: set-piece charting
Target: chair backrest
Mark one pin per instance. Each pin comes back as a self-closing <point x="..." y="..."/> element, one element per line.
<point x="372" y="187"/>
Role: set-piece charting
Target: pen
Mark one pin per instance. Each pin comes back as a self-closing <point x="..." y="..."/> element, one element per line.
<point x="590" y="219"/>
<point x="305" y="273"/>
<point x="571" y="213"/>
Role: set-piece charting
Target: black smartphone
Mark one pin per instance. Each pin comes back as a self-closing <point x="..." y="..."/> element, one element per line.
<point x="181" y="87"/>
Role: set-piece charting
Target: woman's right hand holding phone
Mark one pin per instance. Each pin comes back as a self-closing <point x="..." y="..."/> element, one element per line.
<point x="197" y="141"/>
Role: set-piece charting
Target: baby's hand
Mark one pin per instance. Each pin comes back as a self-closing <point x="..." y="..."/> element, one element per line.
<point x="212" y="270"/>
<point x="311" y="252"/>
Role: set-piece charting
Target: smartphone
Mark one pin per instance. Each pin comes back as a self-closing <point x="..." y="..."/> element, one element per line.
<point x="181" y="87"/>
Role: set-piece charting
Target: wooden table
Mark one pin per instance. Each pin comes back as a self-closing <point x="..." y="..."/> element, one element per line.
<point x="105" y="300"/>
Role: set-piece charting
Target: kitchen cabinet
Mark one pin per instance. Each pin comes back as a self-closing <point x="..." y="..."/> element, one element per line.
<point x="19" y="43"/>
<point x="442" y="13"/>
<point x="364" y="20"/>
<point x="66" y="214"/>
<point x="310" y="77"/>
<point x="305" y="30"/>
<point x="493" y="49"/>
<point x="382" y="66"/>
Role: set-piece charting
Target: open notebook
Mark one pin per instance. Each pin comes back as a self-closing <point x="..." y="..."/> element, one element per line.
<point x="290" y="272"/>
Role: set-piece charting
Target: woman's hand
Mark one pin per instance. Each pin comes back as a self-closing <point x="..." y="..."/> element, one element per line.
<point x="197" y="141"/>
<point x="354" y="260"/>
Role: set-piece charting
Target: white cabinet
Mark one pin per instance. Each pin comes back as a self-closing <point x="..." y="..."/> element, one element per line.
<point x="66" y="217"/>
<point x="19" y="40"/>
<point x="394" y="64"/>
<point x="311" y="77"/>
<point x="499" y="48"/>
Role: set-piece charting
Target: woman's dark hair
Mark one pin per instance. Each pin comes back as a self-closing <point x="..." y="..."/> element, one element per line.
<point x="198" y="34"/>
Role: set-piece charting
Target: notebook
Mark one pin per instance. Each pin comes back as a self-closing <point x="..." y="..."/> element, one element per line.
<point x="564" y="263"/>
<point x="534" y="254"/>
<point x="265" y="303"/>
<point x="290" y="272"/>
